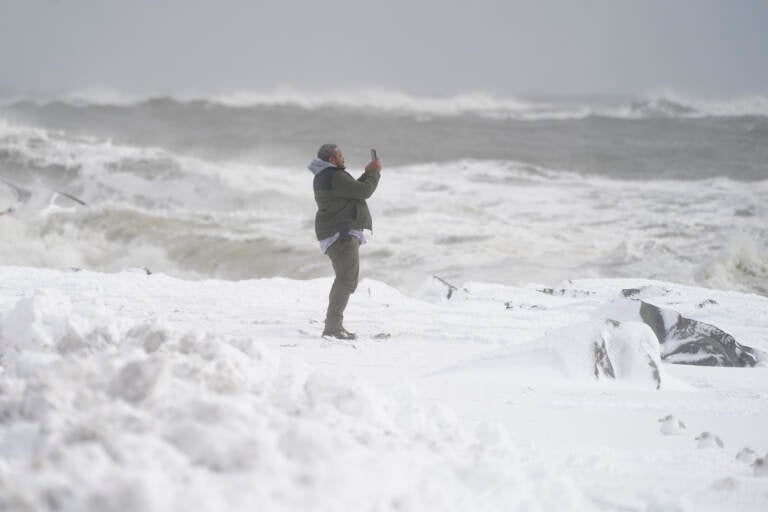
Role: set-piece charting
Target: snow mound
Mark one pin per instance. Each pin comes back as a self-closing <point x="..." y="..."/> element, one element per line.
<point x="627" y="351"/>
<point x="609" y="350"/>
<point x="100" y="414"/>
<point x="624" y="352"/>
<point x="37" y="321"/>
<point x="42" y="324"/>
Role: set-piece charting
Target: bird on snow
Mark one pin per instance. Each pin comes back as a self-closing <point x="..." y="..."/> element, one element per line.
<point x="746" y="455"/>
<point x="671" y="426"/>
<point x="760" y="466"/>
<point x="709" y="440"/>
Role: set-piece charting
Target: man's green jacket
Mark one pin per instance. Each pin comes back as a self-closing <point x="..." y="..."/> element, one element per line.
<point x="341" y="202"/>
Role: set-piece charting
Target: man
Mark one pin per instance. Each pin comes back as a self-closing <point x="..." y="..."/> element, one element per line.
<point x="342" y="215"/>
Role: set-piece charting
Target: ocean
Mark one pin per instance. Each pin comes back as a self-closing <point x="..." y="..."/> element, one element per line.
<point x="474" y="187"/>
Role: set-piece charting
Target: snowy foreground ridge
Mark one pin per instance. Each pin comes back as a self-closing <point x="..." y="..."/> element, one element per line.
<point x="136" y="392"/>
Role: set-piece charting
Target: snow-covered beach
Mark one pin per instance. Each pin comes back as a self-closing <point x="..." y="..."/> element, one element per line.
<point x="130" y="391"/>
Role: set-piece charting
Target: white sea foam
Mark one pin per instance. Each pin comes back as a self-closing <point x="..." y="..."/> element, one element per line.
<point x="149" y="207"/>
<point x="741" y="258"/>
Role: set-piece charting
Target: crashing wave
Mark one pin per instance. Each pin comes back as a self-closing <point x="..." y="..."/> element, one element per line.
<point x="665" y="105"/>
<point x="672" y="105"/>
<point x="660" y="107"/>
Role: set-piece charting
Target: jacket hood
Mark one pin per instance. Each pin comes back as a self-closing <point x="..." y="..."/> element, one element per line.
<point x="318" y="165"/>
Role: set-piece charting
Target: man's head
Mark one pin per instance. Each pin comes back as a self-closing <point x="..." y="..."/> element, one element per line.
<point x="331" y="153"/>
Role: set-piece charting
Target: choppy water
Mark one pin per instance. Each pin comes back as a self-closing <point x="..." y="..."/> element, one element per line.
<point x="474" y="188"/>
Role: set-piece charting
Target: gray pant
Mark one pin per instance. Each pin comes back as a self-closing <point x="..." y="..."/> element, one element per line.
<point x="345" y="258"/>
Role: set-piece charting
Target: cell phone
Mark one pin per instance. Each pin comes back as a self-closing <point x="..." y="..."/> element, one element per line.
<point x="373" y="154"/>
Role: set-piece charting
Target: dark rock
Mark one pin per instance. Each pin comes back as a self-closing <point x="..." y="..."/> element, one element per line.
<point x="687" y="341"/>
<point x="653" y="318"/>
<point x="655" y="371"/>
<point x="637" y="293"/>
<point x="603" y="365"/>
<point x="512" y="305"/>
<point x="563" y="292"/>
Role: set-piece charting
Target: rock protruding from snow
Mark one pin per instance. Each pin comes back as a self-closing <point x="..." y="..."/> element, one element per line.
<point x="689" y="341"/>
<point x="566" y="292"/>
<point x="684" y="340"/>
<point x="627" y="351"/>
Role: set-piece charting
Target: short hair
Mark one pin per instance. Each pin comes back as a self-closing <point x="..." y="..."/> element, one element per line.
<point x="326" y="151"/>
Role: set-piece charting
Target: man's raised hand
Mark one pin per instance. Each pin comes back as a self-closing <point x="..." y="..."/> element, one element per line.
<point x="374" y="165"/>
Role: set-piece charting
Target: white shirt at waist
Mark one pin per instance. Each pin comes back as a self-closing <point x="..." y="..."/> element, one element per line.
<point x="325" y="243"/>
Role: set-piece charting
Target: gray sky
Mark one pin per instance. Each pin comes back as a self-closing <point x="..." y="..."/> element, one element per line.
<point x="421" y="47"/>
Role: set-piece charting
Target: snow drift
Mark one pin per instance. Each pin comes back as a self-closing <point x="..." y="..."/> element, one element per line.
<point x="102" y="413"/>
<point x="581" y="354"/>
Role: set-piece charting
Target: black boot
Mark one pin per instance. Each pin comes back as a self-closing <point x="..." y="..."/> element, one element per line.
<point x="340" y="333"/>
